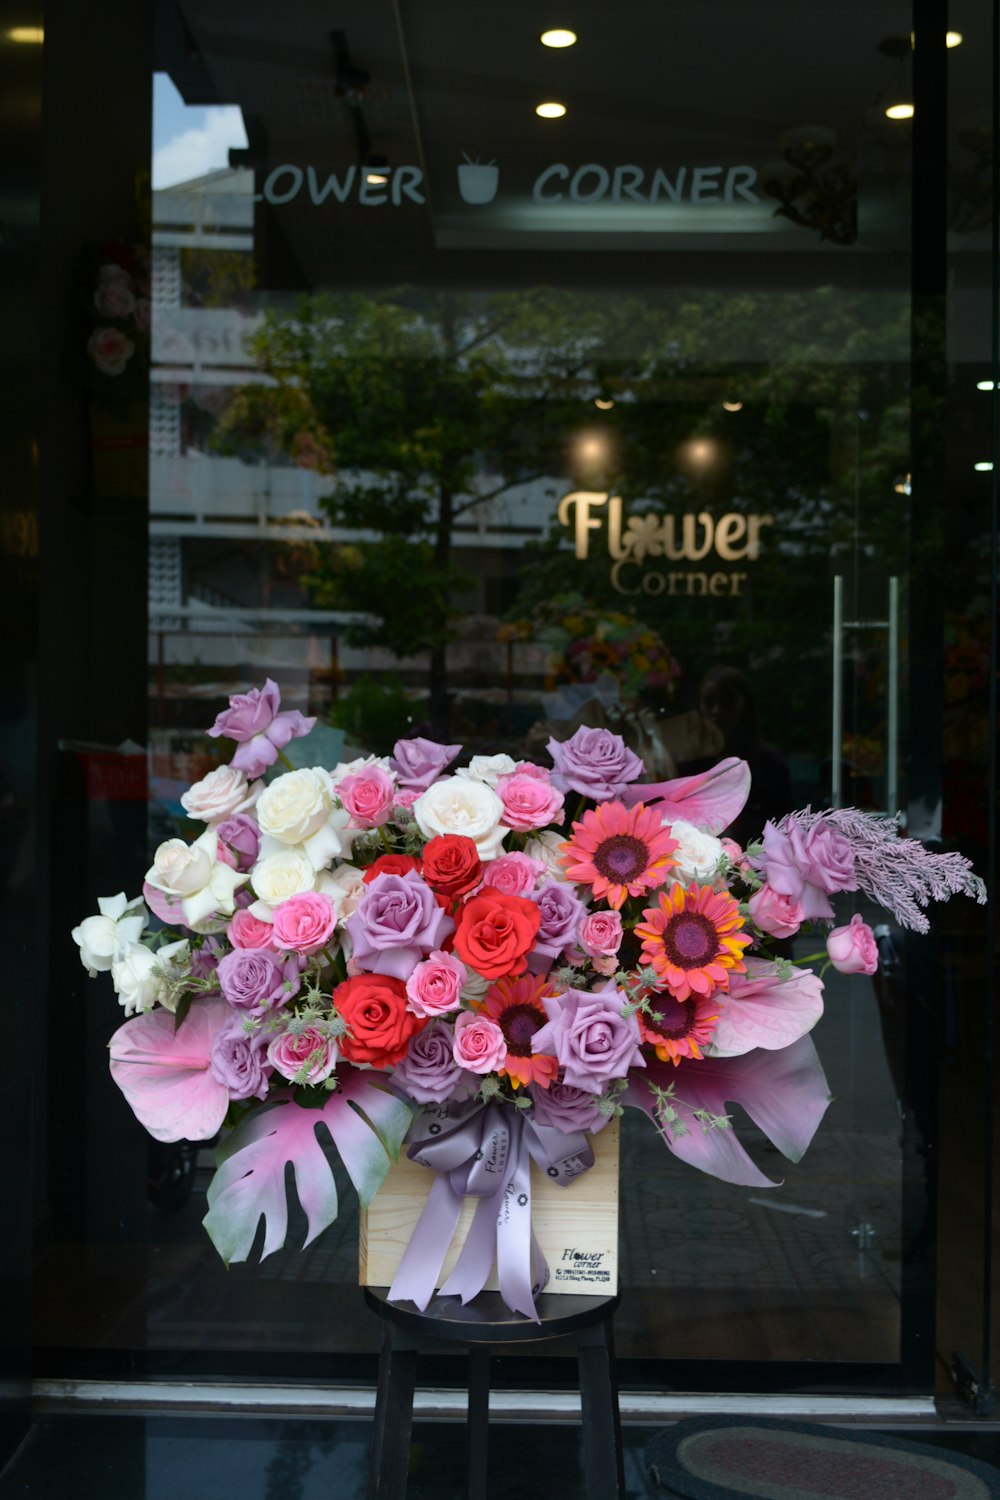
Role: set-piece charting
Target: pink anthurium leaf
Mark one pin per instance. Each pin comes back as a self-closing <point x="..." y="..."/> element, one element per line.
<point x="163" y="1070"/>
<point x="711" y="800"/>
<point x="762" y="1010"/>
<point x="367" y="1125"/>
<point x="785" y="1093"/>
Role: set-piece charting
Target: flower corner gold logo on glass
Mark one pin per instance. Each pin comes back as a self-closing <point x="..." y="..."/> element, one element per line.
<point x="692" y="538"/>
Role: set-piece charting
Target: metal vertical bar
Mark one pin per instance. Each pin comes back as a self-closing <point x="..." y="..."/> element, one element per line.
<point x="837" y="711"/>
<point x="892" y="736"/>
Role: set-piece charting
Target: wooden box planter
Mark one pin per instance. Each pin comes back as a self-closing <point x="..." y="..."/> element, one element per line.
<point x="576" y="1226"/>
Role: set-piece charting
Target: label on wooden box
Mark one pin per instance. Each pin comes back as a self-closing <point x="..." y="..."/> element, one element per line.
<point x="576" y="1226"/>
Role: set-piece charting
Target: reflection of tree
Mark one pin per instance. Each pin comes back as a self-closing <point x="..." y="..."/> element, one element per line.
<point x="429" y="405"/>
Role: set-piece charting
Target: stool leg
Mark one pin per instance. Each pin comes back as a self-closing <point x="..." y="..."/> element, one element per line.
<point x="479" y="1419"/>
<point x="397" y="1375"/>
<point x="601" y="1446"/>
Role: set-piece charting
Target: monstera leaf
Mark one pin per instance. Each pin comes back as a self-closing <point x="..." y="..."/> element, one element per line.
<point x="710" y="800"/>
<point x="367" y="1125"/>
<point x="784" y="1092"/>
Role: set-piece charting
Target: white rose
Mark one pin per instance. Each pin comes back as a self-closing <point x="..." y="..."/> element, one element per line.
<point x="220" y="794"/>
<point x="281" y="875"/>
<point x="360" y="763"/>
<point x="697" y="854"/>
<point x="456" y="805"/>
<point x="142" y="978"/>
<point x="547" y="847"/>
<point x="345" y="887"/>
<point x="194" y="875"/>
<point x="102" y="938"/>
<point x="295" y="806"/>
<point x="179" y="869"/>
<point x="488" y="768"/>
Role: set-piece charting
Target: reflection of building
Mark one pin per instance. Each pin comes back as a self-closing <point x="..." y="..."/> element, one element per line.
<point x="219" y="518"/>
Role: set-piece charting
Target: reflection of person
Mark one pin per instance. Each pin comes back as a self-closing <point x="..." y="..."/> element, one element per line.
<point x="726" y="701"/>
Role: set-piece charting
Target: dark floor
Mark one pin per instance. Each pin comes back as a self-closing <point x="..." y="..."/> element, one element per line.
<point x="94" y="1457"/>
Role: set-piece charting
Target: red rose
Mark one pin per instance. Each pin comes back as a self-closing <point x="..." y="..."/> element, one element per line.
<point x="391" y="864"/>
<point x="452" y="865"/>
<point x="495" y="932"/>
<point x="374" y="1007"/>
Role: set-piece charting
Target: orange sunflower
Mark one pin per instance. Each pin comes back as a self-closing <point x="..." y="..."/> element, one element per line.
<point x="678" y="1028"/>
<point x="619" y="851"/>
<point x="516" y="1007"/>
<point x="692" y="939"/>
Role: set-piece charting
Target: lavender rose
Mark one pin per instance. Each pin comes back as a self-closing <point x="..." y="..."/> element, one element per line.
<point x="418" y="762"/>
<point x="562" y="912"/>
<point x="239" y="1061"/>
<point x="241" y="837"/>
<point x="397" y="923"/>
<point x="256" y="981"/>
<point x="590" y="1036"/>
<point x="595" y="763"/>
<point x="566" y="1108"/>
<point x="260" y="730"/>
<point x="808" y="865"/>
<point x="429" y="1072"/>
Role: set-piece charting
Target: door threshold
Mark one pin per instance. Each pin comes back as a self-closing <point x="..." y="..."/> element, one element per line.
<point x="170" y="1398"/>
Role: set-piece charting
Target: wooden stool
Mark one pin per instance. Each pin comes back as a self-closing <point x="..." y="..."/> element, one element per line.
<point x="484" y="1323"/>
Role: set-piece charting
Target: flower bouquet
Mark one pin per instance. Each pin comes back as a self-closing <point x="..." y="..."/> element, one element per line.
<point x="489" y="965"/>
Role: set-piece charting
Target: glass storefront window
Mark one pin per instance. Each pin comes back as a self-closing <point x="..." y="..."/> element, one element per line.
<point x="475" y="419"/>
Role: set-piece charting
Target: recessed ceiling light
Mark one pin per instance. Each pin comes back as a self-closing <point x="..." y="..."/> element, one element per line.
<point x="25" y="34"/>
<point x="550" y="110"/>
<point x="984" y="385"/>
<point x="732" y="406"/>
<point x="557" y="37"/>
<point x="603" y="405"/>
<point x="899" y="112"/>
<point x="984" y="468"/>
<point x="953" y="39"/>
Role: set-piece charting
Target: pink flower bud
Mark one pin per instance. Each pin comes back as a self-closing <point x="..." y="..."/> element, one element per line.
<point x="853" y="949"/>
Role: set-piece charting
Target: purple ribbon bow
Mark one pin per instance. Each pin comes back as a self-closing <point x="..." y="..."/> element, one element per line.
<point x="483" y="1151"/>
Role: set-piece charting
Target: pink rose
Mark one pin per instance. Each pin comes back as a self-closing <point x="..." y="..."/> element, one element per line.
<point x="529" y="802"/>
<point x="435" y="986"/>
<point x="601" y="933"/>
<point x="114" y="299"/>
<point x="246" y="931"/>
<point x="479" y="1043"/>
<point x="304" y="923"/>
<point x="307" y="1056"/>
<point x="776" y="913"/>
<point x="368" y="796"/>
<point x="110" y="350"/>
<point x="514" y="874"/>
<point x="853" y="949"/>
<point x="406" y="796"/>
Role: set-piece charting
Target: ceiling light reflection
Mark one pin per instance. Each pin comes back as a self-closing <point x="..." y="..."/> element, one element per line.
<point x="550" y="110"/>
<point x="25" y="34"/>
<point x="983" y="468"/>
<point x="953" y="39"/>
<point x="899" y="112"/>
<point x="558" y="36"/>
<point x="603" y="405"/>
<point x="984" y="385"/>
<point x="732" y="406"/>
